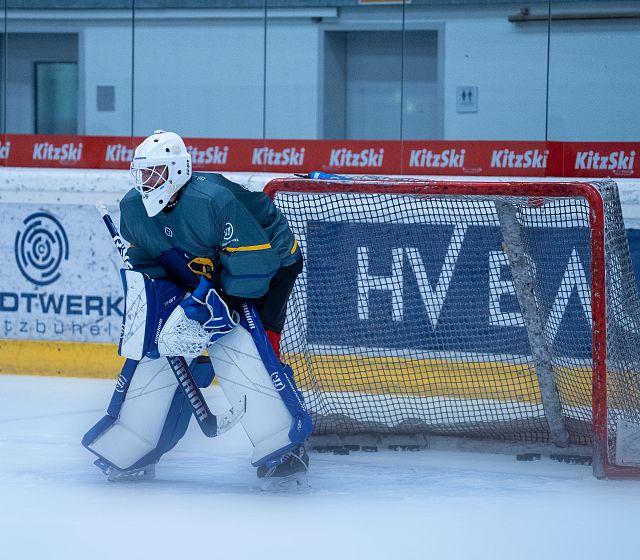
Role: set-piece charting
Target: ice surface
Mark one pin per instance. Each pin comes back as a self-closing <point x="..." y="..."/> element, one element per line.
<point x="205" y="501"/>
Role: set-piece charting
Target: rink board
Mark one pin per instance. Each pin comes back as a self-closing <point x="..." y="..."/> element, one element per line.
<point x="59" y="358"/>
<point x="75" y="304"/>
<point x="433" y="377"/>
<point x="66" y="321"/>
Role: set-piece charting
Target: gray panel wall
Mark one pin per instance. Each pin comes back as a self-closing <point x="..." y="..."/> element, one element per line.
<point x="202" y="72"/>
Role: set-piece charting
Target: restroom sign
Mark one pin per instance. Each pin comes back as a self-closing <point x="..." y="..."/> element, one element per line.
<point x="467" y="99"/>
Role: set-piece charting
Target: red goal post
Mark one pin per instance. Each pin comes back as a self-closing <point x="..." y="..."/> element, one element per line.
<point x="417" y="342"/>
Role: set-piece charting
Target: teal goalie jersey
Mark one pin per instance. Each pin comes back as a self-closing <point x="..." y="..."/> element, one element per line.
<point x="218" y="229"/>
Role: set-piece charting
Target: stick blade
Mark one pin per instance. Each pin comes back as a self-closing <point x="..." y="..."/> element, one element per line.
<point x="231" y="417"/>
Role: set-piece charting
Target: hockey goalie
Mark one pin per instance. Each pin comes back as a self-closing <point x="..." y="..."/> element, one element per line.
<point x="211" y="267"/>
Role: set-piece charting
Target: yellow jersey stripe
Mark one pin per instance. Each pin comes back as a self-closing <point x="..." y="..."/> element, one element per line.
<point x="248" y="248"/>
<point x="295" y="246"/>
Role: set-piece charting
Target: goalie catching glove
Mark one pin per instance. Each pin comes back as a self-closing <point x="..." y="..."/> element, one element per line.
<point x="199" y="320"/>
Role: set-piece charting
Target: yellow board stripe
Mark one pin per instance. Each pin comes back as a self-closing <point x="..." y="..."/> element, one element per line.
<point x="454" y="379"/>
<point x="444" y="378"/>
<point x="66" y="359"/>
<point x="248" y="248"/>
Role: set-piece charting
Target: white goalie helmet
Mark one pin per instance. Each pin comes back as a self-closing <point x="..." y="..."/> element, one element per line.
<point x="160" y="167"/>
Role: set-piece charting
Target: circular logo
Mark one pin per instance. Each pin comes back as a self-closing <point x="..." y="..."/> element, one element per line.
<point x="40" y="248"/>
<point x="228" y="231"/>
<point x="168" y="232"/>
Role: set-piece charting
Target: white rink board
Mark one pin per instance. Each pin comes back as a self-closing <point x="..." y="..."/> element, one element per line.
<point x="60" y="274"/>
<point x="61" y="279"/>
<point x="82" y="303"/>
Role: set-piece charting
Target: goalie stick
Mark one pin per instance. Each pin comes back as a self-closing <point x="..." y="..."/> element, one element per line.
<point x="211" y="425"/>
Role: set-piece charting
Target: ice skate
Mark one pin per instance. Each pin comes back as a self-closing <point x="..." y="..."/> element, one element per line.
<point x="289" y="473"/>
<point x="148" y="472"/>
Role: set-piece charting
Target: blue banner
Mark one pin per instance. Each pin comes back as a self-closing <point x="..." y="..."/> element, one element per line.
<point x="444" y="288"/>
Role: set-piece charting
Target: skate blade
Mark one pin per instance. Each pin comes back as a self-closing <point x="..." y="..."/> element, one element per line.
<point x="147" y="473"/>
<point x="297" y="482"/>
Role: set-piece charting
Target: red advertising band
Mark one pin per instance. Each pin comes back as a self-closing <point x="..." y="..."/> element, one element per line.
<point x="386" y="157"/>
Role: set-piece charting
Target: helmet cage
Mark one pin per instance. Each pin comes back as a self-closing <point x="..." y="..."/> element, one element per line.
<point x="148" y="176"/>
<point x="157" y="180"/>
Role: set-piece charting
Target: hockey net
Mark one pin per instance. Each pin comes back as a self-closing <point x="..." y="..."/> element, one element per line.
<point x="494" y="311"/>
